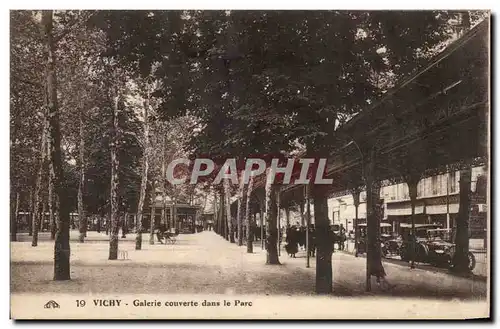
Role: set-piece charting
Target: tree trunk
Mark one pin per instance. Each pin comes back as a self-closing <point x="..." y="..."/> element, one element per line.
<point x="215" y="220"/>
<point x="370" y="230"/>
<point x="164" y="209"/>
<point x="108" y="221"/>
<point x="278" y="221"/>
<point x="271" y="223"/>
<point x="14" y="218"/>
<point x="144" y="178"/>
<point x="38" y="188"/>
<point x="227" y="198"/>
<point x="287" y="217"/>
<point x="174" y="212"/>
<point x="324" y="243"/>
<point x="374" y="265"/>
<point x="61" y="207"/>
<point x="35" y="226"/>
<point x="261" y="219"/>
<point x="226" y="225"/>
<point x="308" y="223"/>
<point x="460" y="258"/>
<point x="152" y="216"/>
<point x="42" y="217"/>
<point x="254" y="223"/>
<point x="52" y="197"/>
<point x="163" y="181"/>
<point x="171" y="224"/>
<point x="412" y="182"/>
<point x="99" y="220"/>
<point x="82" y="219"/>
<point x="124" y="225"/>
<point x="250" y="222"/>
<point x="113" y="239"/>
<point x="223" y="231"/>
<point x="373" y="252"/>
<point x="31" y="208"/>
<point x="140" y="207"/>
<point x="241" y="210"/>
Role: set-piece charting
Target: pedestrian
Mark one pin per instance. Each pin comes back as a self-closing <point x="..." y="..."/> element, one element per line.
<point x="160" y="231"/>
<point x="378" y="271"/>
<point x="291" y="246"/>
<point x="342" y="240"/>
<point x="312" y="242"/>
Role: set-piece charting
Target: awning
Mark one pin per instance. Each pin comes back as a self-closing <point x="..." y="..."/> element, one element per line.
<point x="404" y="211"/>
<point x="441" y="209"/>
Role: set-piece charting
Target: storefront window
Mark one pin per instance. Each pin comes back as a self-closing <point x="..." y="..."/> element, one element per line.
<point x="419" y="189"/>
<point x="453" y="182"/>
<point x="406" y="192"/>
<point x="434" y="184"/>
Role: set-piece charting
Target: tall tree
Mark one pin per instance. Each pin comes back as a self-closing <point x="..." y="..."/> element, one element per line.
<point x="227" y="201"/>
<point x="271" y="215"/>
<point x="36" y="218"/>
<point x="249" y="219"/>
<point x="144" y="175"/>
<point x="113" y="240"/>
<point x="460" y="259"/>
<point x="14" y="218"/>
<point x="241" y="208"/>
<point x="82" y="218"/>
<point x="152" y="214"/>
<point x="61" y="211"/>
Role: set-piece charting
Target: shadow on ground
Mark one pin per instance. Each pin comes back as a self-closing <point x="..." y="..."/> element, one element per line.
<point x="207" y="264"/>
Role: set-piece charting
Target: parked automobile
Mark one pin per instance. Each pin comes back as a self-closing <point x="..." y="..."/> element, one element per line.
<point x="433" y="245"/>
<point x="385" y="237"/>
<point x="420" y="250"/>
<point x="391" y="245"/>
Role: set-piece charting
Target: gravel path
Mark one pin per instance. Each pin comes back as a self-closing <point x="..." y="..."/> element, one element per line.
<point x="205" y="263"/>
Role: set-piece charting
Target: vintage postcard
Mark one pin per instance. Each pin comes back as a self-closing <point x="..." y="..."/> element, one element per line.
<point x="250" y="164"/>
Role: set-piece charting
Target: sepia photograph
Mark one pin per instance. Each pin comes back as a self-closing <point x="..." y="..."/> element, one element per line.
<point x="250" y="164"/>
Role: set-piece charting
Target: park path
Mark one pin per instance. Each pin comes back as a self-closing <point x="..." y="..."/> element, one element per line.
<point x="197" y="263"/>
<point x="206" y="263"/>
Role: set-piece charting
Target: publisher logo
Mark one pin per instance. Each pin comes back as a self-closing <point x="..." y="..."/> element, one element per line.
<point x="51" y="304"/>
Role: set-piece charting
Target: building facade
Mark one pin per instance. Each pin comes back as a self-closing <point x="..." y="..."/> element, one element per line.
<point x="437" y="202"/>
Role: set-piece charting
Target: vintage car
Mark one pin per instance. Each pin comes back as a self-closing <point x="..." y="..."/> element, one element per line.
<point x="386" y="237"/>
<point x="391" y="245"/>
<point x="433" y="245"/>
<point x="421" y="250"/>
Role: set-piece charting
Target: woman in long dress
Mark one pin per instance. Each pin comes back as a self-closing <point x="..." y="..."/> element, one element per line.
<point x="377" y="270"/>
<point x="291" y="246"/>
